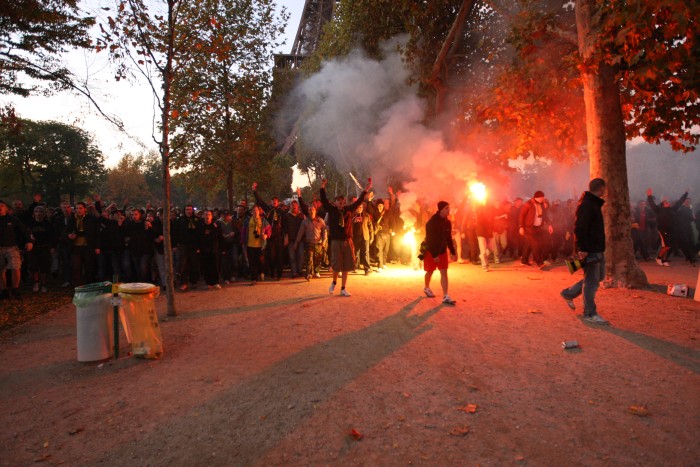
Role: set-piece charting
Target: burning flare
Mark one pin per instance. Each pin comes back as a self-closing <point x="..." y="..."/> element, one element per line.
<point x="478" y="191"/>
<point x="409" y="238"/>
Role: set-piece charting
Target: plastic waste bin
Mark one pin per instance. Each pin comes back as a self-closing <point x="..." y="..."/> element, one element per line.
<point x="140" y="320"/>
<point x="94" y="319"/>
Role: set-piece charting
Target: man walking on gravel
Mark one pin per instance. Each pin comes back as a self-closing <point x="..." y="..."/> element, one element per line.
<point x="589" y="232"/>
<point x="438" y="239"/>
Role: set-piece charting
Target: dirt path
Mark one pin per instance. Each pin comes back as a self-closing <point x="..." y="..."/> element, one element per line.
<point x="281" y="373"/>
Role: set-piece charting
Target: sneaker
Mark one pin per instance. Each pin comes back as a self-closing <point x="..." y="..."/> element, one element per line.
<point x="659" y="262"/>
<point x="367" y="272"/>
<point x="596" y="319"/>
<point x="36" y="287"/>
<point x="569" y="302"/>
<point x="44" y="289"/>
<point x="447" y="300"/>
<point x="184" y="287"/>
<point x="665" y="263"/>
<point x="547" y="263"/>
<point x="344" y="293"/>
<point x="317" y="275"/>
<point x="253" y="283"/>
<point x="65" y="284"/>
<point x="428" y="293"/>
<point x="226" y="282"/>
<point x="214" y="287"/>
<point x="485" y="268"/>
<point x="308" y="278"/>
<point x="331" y="289"/>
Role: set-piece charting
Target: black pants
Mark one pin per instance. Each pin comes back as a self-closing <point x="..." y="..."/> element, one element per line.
<point x="361" y="253"/>
<point x="274" y="253"/>
<point x="254" y="262"/>
<point x="82" y="265"/>
<point x="535" y="238"/>
<point x="189" y="264"/>
<point x="209" y="262"/>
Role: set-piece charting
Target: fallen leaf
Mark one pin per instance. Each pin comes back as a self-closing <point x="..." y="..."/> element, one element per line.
<point x="304" y="305"/>
<point x="639" y="410"/>
<point x="535" y="278"/>
<point x="406" y="395"/>
<point x="356" y="434"/>
<point x="469" y="408"/>
<point x="46" y="444"/>
<point x="534" y="311"/>
<point x="75" y="431"/>
<point x="460" y="431"/>
<point x="520" y="458"/>
<point x="43" y="458"/>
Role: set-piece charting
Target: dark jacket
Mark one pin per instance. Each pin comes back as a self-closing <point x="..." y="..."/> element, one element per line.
<point x="89" y="230"/>
<point x="274" y="216"/>
<point x="438" y="235"/>
<point x="340" y="223"/>
<point x="186" y="230"/>
<point x="13" y="232"/>
<point x="590" y="228"/>
<point x="209" y="237"/>
<point x="666" y="217"/>
<point x="139" y="238"/>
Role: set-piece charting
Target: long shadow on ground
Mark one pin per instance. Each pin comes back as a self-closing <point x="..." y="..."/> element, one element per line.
<point x="242" y="424"/>
<point x="682" y="356"/>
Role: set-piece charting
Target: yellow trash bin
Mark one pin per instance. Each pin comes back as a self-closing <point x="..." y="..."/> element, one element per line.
<point x="140" y="320"/>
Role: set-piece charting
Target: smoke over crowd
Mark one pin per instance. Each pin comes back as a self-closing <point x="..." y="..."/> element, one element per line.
<point x="365" y="116"/>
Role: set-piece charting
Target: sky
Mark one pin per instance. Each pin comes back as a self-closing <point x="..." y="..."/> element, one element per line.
<point x="132" y="102"/>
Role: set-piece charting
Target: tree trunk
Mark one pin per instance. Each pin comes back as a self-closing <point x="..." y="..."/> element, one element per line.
<point x="438" y="76"/>
<point x="229" y="187"/>
<point x="606" y="151"/>
<point x="165" y="156"/>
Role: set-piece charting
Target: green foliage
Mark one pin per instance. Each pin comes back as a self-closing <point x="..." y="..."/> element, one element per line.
<point x="53" y="158"/>
<point x="126" y="183"/>
<point x="220" y="94"/>
<point x="33" y="34"/>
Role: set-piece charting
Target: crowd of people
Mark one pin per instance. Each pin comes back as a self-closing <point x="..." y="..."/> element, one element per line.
<point x="272" y="239"/>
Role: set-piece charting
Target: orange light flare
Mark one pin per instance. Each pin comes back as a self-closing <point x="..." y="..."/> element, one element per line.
<point x="477" y="191"/>
<point x="409" y="238"/>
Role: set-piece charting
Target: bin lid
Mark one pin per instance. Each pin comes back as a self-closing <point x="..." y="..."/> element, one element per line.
<point x="98" y="287"/>
<point x="137" y="288"/>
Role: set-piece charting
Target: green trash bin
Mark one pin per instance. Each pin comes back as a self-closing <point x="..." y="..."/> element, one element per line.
<point x="94" y="320"/>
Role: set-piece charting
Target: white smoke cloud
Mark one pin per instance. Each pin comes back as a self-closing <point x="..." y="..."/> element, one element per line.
<point x="364" y="115"/>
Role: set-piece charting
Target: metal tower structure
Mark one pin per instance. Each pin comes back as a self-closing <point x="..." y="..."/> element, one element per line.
<point x="314" y="17"/>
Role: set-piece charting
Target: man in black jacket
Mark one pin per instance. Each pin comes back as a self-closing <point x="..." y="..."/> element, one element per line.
<point x="438" y="239"/>
<point x="666" y="219"/>
<point x="340" y="235"/>
<point x="589" y="231"/>
<point x="13" y="234"/>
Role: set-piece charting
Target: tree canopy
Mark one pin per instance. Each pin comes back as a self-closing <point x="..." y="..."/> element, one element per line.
<point x="53" y="158"/>
<point x="33" y="35"/>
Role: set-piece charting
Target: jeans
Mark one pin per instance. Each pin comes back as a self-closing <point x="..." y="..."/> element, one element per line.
<point x="486" y="245"/>
<point x="296" y="258"/>
<point x="593" y="273"/>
